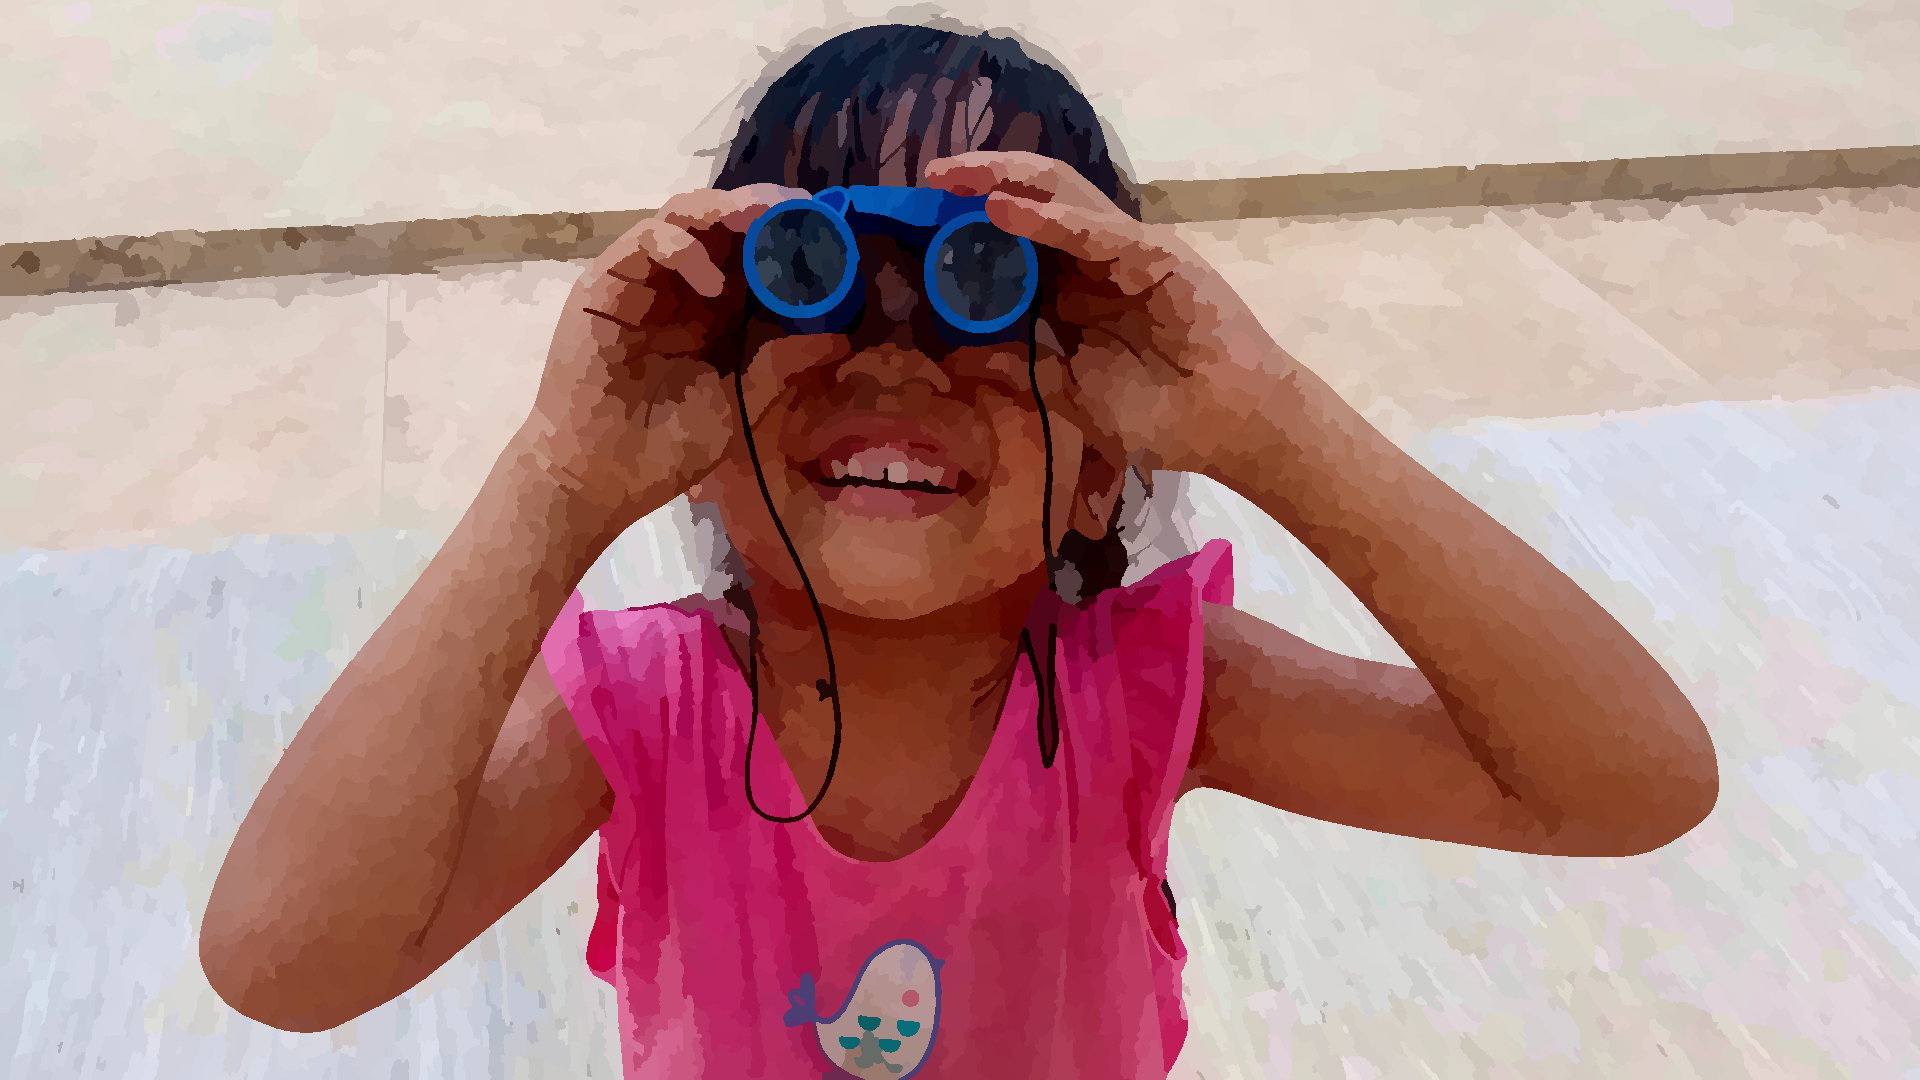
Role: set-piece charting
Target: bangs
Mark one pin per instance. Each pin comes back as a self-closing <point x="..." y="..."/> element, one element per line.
<point x="874" y="105"/>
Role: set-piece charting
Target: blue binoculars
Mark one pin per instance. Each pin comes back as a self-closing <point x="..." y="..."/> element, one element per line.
<point x="802" y="260"/>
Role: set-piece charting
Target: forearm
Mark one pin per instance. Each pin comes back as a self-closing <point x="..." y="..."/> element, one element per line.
<point x="1567" y="713"/>
<point x="355" y="833"/>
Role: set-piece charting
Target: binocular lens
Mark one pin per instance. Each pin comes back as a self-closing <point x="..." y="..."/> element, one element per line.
<point x="980" y="272"/>
<point x="800" y="256"/>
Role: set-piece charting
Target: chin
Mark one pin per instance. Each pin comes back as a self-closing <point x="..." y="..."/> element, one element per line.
<point x="873" y="580"/>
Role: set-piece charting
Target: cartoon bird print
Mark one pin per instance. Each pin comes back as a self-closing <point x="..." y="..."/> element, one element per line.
<point x="887" y="1024"/>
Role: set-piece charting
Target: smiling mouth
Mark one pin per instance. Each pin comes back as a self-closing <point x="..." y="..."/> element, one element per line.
<point x="886" y="468"/>
<point x="894" y="476"/>
<point x="884" y="485"/>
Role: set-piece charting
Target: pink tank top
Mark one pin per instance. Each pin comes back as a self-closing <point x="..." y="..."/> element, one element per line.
<point x="1029" y="938"/>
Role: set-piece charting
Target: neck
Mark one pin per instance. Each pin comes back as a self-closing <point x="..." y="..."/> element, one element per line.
<point x="951" y="665"/>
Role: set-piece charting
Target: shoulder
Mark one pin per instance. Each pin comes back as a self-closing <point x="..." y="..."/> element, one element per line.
<point x="1144" y="646"/>
<point x="1177" y="592"/>
<point x="628" y="649"/>
<point x="634" y="678"/>
<point x="1145" y="639"/>
<point x="1357" y="742"/>
<point x="1274" y="705"/>
<point x="614" y="628"/>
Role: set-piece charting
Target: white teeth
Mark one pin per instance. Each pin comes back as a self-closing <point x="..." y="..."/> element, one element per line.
<point x="886" y="465"/>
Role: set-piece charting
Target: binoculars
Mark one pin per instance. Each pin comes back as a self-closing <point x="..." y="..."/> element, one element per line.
<point x="802" y="260"/>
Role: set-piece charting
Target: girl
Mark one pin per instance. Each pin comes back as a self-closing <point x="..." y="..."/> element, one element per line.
<point x="939" y="841"/>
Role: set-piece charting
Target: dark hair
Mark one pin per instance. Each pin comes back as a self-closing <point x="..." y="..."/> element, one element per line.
<point x="821" y="123"/>
<point x="833" y="118"/>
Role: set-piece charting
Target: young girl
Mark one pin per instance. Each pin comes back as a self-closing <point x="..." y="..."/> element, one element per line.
<point x="990" y="765"/>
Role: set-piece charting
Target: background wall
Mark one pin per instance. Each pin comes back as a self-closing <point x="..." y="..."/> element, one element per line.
<point x="211" y="494"/>
<point x="137" y="116"/>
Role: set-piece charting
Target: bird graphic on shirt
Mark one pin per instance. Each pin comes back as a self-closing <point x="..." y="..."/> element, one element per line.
<point x="886" y="1026"/>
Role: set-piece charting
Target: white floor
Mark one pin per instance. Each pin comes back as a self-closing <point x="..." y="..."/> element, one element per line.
<point x="1762" y="551"/>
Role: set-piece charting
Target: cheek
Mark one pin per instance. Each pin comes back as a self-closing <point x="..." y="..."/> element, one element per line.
<point x="733" y="488"/>
<point x="733" y="484"/>
<point x="1020" y="475"/>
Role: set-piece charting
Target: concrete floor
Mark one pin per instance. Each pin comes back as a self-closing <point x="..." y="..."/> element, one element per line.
<point x="213" y="494"/>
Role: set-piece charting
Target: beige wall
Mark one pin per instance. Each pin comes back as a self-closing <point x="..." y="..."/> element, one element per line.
<point x="185" y="414"/>
<point x="138" y="116"/>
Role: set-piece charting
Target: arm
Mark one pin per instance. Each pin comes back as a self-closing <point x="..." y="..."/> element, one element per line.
<point x="401" y="796"/>
<point x="542" y="796"/>
<point x="403" y="819"/>
<point x="1357" y="742"/>
<point x="1565" y="718"/>
<point x="1534" y="722"/>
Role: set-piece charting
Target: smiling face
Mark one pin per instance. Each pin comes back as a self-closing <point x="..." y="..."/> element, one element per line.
<point x="909" y="474"/>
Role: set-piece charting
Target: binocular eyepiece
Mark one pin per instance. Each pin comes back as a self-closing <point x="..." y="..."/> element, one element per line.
<point x="802" y="260"/>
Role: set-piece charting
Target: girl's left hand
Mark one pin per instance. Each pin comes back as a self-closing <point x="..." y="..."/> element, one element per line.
<point x="1157" y="349"/>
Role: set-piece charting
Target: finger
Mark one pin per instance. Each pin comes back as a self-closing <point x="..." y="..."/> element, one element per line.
<point x="1132" y="261"/>
<point x="626" y="289"/>
<point x="676" y="249"/>
<point x="1031" y="176"/>
<point x="718" y="219"/>
<point x="735" y="209"/>
<point x="694" y="212"/>
<point x="639" y="298"/>
<point x="1046" y="340"/>
<point x="1083" y="302"/>
<point x="1062" y="394"/>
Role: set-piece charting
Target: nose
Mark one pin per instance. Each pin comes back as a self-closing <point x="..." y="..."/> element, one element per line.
<point x="896" y="312"/>
<point x="893" y="365"/>
<point x="898" y="299"/>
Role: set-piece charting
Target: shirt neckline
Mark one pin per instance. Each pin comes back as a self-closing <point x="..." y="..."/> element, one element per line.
<point x="992" y="768"/>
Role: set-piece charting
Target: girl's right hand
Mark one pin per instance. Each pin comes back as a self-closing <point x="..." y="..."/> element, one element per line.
<point x="636" y="403"/>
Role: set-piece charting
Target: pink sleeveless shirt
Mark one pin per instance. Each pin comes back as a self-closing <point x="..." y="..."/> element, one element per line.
<point x="1029" y="938"/>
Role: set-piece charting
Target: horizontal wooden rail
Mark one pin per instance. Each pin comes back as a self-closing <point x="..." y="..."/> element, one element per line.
<point x="427" y="245"/>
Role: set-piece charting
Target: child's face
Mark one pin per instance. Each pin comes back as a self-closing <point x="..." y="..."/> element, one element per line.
<point x="891" y="401"/>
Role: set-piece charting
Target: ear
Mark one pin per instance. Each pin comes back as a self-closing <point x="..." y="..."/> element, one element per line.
<point x="1102" y="477"/>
